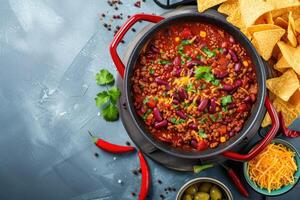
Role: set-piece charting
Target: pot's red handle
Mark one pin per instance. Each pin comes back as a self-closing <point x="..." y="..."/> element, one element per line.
<point x="268" y="138"/>
<point x="122" y="31"/>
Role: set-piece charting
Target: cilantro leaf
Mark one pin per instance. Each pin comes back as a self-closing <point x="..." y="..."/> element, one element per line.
<point x="208" y="52"/>
<point x="202" y="134"/>
<point x="185" y="42"/>
<point x="212" y="117"/>
<point x="215" y="82"/>
<point x="102" y="99"/>
<point x="163" y="62"/>
<point x="190" y="88"/>
<point x="104" y="77"/>
<point x="110" y="113"/>
<point x="226" y="100"/>
<point x="199" y="57"/>
<point x="146" y="100"/>
<point x="176" y="122"/>
<point x="151" y="71"/>
<point x="114" y="94"/>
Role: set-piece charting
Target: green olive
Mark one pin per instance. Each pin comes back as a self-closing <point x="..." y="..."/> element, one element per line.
<point x="187" y="197"/>
<point x="215" y="193"/>
<point x="205" y="187"/>
<point x="192" y="189"/>
<point x="201" y="196"/>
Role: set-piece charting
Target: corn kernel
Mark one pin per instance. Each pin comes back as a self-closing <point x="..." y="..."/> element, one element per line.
<point x="177" y="39"/>
<point x="202" y="34"/>
<point x="245" y="63"/>
<point x="222" y="139"/>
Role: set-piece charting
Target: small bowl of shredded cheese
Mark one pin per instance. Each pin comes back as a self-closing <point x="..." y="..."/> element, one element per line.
<point x="275" y="170"/>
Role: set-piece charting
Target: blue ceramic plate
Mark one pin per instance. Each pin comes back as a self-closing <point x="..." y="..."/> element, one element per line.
<point x="283" y="189"/>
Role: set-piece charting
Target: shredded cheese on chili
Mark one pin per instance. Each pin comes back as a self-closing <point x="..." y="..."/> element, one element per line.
<point x="273" y="168"/>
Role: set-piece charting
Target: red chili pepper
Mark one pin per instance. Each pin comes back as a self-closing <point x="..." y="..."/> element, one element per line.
<point x="109" y="147"/>
<point x="236" y="180"/>
<point x="146" y="179"/>
<point x="287" y="132"/>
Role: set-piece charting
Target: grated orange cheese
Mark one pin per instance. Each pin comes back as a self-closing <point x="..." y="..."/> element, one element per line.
<point x="273" y="168"/>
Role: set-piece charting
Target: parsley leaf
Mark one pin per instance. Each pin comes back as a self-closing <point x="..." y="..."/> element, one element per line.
<point x="208" y="52"/>
<point x="226" y="100"/>
<point x="202" y="134"/>
<point x="151" y="71"/>
<point x="110" y="113"/>
<point x="163" y="62"/>
<point x="212" y="117"/>
<point x="102" y="99"/>
<point x="104" y="77"/>
<point x="114" y="94"/>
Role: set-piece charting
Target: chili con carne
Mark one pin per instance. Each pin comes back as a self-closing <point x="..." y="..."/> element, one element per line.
<point x="194" y="86"/>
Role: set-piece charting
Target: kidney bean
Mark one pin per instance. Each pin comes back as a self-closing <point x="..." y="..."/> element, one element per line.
<point x="231" y="134"/>
<point x="154" y="48"/>
<point x="212" y="106"/>
<point x="194" y="144"/>
<point x="237" y="67"/>
<point x="181" y="114"/>
<point x="247" y="99"/>
<point x="175" y="101"/>
<point x="192" y="63"/>
<point x="176" y="72"/>
<point x="231" y="39"/>
<point x="202" y="105"/>
<point x="225" y="51"/>
<point x="231" y="105"/>
<point x="157" y="115"/>
<point x="233" y="56"/>
<point x="221" y="74"/>
<point x="192" y="72"/>
<point x="182" y="93"/>
<point x="150" y="55"/>
<point x="238" y="83"/>
<point x="227" y="87"/>
<point x="161" y="124"/>
<point x="177" y="61"/>
<point x="193" y="126"/>
<point x="162" y="82"/>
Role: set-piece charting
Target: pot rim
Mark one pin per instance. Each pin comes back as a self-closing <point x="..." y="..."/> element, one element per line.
<point x="257" y="109"/>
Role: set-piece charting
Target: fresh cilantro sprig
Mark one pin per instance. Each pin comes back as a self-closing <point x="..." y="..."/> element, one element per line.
<point x="104" y="77"/>
<point x="107" y="100"/>
<point x="204" y="72"/>
<point x="226" y="100"/>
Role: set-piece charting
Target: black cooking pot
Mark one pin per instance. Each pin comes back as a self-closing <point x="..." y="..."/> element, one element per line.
<point x="258" y="109"/>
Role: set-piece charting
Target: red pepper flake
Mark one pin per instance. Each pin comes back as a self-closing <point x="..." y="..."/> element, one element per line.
<point x="137" y="4"/>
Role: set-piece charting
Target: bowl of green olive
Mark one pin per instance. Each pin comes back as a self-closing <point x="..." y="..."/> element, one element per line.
<point x="204" y="188"/>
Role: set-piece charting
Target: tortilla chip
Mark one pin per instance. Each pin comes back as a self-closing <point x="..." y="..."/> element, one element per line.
<point x="289" y="112"/>
<point x="264" y="41"/>
<point x="291" y="55"/>
<point x="291" y="31"/>
<point x="282" y="65"/>
<point x="297" y="25"/>
<point x="282" y="11"/>
<point x="235" y="18"/>
<point x="206" y="4"/>
<point x="295" y="99"/>
<point x="261" y="27"/>
<point x="252" y="10"/>
<point x="279" y="21"/>
<point x="266" y="121"/>
<point x="228" y="7"/>
<point x="285" y="85"/>
<point x="283" y="3"/>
